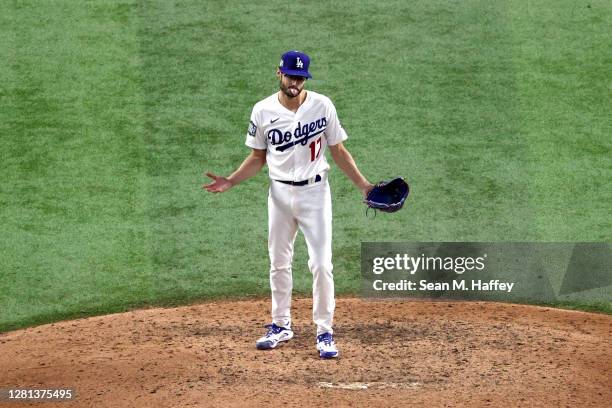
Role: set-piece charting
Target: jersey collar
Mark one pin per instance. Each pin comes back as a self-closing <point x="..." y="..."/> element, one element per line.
<point x="306" y="101"/>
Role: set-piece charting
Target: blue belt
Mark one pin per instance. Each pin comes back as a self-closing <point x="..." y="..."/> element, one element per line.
<point x="300" y="183"/>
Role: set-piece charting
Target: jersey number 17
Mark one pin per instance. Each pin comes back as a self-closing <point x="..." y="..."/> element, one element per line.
<point x="315" y="149"/>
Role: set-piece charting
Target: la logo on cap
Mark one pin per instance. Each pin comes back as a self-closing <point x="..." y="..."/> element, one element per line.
<point x="295" y="63"/>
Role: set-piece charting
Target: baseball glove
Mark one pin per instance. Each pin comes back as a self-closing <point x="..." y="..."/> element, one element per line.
<point x="388" y="196"/>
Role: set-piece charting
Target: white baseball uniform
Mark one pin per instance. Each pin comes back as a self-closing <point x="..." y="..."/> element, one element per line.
<point x="296" y="144"/>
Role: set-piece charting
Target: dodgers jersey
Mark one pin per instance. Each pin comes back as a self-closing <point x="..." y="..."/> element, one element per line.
<point x="295" y="142"/>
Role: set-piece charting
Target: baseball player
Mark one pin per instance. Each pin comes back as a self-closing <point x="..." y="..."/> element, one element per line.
<point x="290" y="131"/>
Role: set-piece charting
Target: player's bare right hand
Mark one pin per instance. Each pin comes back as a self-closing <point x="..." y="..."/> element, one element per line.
<point x="219" y="184"/>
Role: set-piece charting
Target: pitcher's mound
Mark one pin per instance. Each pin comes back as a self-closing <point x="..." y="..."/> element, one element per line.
<point x="393" y="353"/>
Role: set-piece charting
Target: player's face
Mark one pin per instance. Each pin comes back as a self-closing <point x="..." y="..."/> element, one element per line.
<point x="291" y="85"/>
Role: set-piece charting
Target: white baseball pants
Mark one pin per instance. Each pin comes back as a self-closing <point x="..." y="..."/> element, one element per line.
<point x="309" y="209"/>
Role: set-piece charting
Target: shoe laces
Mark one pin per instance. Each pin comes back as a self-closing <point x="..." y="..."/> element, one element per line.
<point x="326" y="338"/>
<point x="273" y="329"/>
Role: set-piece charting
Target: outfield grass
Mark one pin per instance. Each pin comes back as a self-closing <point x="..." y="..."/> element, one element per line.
<point x="498" y="113"/>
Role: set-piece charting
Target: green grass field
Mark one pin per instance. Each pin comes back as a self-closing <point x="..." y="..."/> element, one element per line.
<point x="498" y="113"/>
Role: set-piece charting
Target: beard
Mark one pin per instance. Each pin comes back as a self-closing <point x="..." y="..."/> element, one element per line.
<point x="290" y="91"/>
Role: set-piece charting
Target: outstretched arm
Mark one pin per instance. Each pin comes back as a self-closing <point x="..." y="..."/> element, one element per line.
<point x="345" y="161"/>
<point x="249" y="167"/>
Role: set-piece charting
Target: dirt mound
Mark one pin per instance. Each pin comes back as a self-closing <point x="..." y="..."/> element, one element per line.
<point x="393" y="353"/>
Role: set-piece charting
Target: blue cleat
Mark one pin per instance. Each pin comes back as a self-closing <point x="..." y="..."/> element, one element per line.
<point x="326" y="346"/>
<point x="275" y="335"/>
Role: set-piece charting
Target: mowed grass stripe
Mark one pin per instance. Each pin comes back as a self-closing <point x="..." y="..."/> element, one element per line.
<point x="197" y="108"/>
<point x="73" y="238"/>
<point x="563" y="58"/>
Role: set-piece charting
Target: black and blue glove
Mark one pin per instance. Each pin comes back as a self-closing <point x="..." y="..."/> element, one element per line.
<point x="388" y="196"/>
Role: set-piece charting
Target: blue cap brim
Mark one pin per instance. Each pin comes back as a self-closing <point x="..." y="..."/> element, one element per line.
<point x="295" y="73"/>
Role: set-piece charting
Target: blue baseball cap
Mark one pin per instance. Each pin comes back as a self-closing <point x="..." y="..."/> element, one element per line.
<point x="295" y="63"/>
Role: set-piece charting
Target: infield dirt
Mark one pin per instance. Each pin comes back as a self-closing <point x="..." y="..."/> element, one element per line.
<point x="393" y="353"/>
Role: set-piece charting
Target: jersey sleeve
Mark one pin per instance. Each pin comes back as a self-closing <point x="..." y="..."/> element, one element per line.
<point x="334" y="132"/>
<point x="255" y="138"/>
